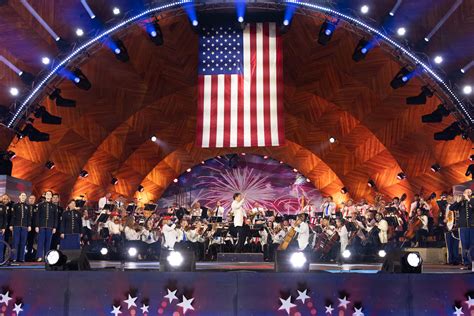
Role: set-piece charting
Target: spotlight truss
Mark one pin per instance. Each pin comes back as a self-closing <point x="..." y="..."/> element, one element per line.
<point x="60" y="101"/>
<point x="437" y="115"/>
<point x="425" y="93"/>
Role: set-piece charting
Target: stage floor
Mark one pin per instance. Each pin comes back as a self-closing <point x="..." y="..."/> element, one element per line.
<point x="246" y="266"/>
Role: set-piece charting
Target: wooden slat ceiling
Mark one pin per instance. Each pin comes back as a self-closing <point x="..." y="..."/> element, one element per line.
<point x="326" y="94"/>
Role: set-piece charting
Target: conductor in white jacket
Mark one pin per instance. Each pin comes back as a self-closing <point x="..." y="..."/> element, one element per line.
<point x="239" y="215"/>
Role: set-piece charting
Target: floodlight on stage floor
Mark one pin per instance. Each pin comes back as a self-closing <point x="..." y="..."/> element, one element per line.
<point x="174" y="261"/>
<point x="132" y="252"/>
<point x="67" y="260"/>
<point x="401" y="261"/>
<point x="291" y="261"/>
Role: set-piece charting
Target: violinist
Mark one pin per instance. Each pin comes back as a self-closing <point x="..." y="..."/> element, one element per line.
<point x="115" y="228"/>
<point x="422" y="231"/>
<point x="86" y="227"/>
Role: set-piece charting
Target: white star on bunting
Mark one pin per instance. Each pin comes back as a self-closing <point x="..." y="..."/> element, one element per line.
<point x="286" y="304"/>
<point x="358" y="312"/>
<point x="144" y="308"/>
<point x="5" y="298"/>
<point x="186" y="304"/>
<point x="469" y="302"/>
<point x="116" y="310"/>
<point x="458" y="311"/>
<point x="302" y="296"/>
<point x="329" y="309"/>
<point x="343" y="302"/>
<point x="130" y="301"/>
<point x="171" y="295"/>
<point x="18" y="309"/>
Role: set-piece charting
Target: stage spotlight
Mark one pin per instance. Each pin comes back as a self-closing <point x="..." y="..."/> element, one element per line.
<point x="171" y="260"/>
<point x="49" y="165"/>
<point x="401" y="78"/>
<point x="298" y="260"/>
<point x="467" y="89"/>
<point x="120" y="51"/>
<point x="175" y="259"/>
<point x="421" y="98"/>
<point x="326" y="32"/>
<point x="80" y="80"/>
<point x="240" y="10"/>
<point x="470" y="171"/>
<point x="45" y="60"/>
<point x="449" y="133"/>
<point x="132" y="251"/>
<point x="382" y="253"/>
<point x="371" y="183"/>
<point x="34" y="134"/>
<point x="14" y="91"/>
<point x="286" y="261"/>
<point x="188" y="170"/>
<point x="436" y="167"/>
<point x="265" y="157"/>
<point x="344" y="190"/>
<point x="53" y="257"/>
<point x="346" y="254"/>
<point x="104" y="251"/>
<point x="401" y="176"/>
<point x="437" y="115"/>
<point x="46" y="117"/>
<point x="471" y="158"/>
<point x="332" y="140"/>
<point x="175" y="180"/>
<point x="154" y="33"/>
<point x="400" y="261"/>
<point x="116" y="11"/>
<point x="401" y="31"/>
<point x="361" y="50"/>
<point x="79" y="32"/>
<point x="308" y="180"/>
<point x="140" y="188"/>
<point x="364" y="9"/>
<point x="27" y="78"/>
<point x="438" y="60"/>
<point x="153" y="138"/>
<point x="295" y="170"/>
<point x="114" y="181"/>
<point x="195" y="22"/>
<point x="83" y="174"/>
<point x="66" y="260"/>
<point x="60" y="101"/>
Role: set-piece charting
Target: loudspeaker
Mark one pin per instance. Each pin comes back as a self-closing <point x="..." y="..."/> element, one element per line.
<point x="397" y="261"/>
<point x="70" y="260"/>
<point x="188" y="264"/>
<point x="283" y="261"/>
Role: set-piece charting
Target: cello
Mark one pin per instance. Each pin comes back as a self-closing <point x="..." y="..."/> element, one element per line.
<point x="289" y="236"/>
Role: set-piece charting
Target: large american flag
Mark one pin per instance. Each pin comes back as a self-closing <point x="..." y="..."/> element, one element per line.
<point x="240" y="97"/>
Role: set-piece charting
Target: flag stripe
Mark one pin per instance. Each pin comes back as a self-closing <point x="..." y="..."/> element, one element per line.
<point x="266" y="83"/>
<point x="227" y="97"/>
<point x="259" y="73"/>
<point x="279" y="85"/>
<point x="213" y="110"/>
<point x="234" y="113"/>
<point x="207" y="111"/>
<point x="200" y="111"/>
<point x="273" y="86"/>
<point x="247" y="83"/>
<point x="253" y="85"/>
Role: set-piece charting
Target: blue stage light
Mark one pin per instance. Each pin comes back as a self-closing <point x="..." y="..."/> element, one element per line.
<point x="191" y="12"/>
<point x="288" y="15"/>
<point x="240" y="10"/>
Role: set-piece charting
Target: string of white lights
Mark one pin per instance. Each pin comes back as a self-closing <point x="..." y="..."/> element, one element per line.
<point x="384" y="37"/>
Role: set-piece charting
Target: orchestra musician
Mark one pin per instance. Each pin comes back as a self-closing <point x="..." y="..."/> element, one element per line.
<point x="302" y="228"/>
<point x="328" y="208"/>
<point x="219" y="210"/>
<point x="47" y="221"/>
<point x="20" y="225"/>
<point x="422" y="232"/>
<point x="452" y="241"/>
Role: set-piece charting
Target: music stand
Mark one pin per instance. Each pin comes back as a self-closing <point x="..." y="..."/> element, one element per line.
<point x="80" y="203"/>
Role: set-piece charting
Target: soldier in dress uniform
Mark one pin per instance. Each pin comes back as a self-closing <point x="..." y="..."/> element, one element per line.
<point x="30" y="240"/>
<point x="71" y="227"/>
<point x="55" y="240"/>
<point x="47" y="221"/>
<point x="20" y="225"/>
